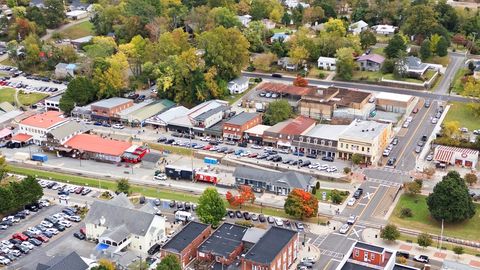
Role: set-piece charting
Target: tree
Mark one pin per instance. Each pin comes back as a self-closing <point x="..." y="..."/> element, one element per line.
<point x="55" y="12"/>
<point x="347" y="170"/>
<point x="245" y="194"/>
<point x="6" y="199"/>
<point x="459" y="39"/>
<point x="390" y="232"/>
<point x="335" y="27"/>
<point x="277" y="111"/>
<point x="345" y="63"/>
<point x="80" y="91"/>
<point x="470" y="178"/>
<point x="451" y="129"/>
<point x="367" y="39"/>
<point x="123" y="186"/>
<point x="458" y="250"/>
<point x="3" y="167"/>
<point x="169" y="262"/>
<point x="424" y="240"/>
<point x="395" y="45"/>
<point x="32" y="191"/>
<point x="413" y="188"/>
<point x="211" y="208"/>
<point x="301" y="204"/>
<point x="300" y="81"/>
<point x="264" y="61"/>
<point x="298" y="54"/>
<point x="312" y="15"/>
<point x="256" y="34"/>
<point x="223" y="16"/>
<point x="406" y="212"/>
<point x="420" y="21"/>
<point x="336" y="197"/>
<point x="442" y="47"/>
<point x="450" y="199"/>
<point x="104" y="264"/>
<point x="425" y="50"/>
<point x="226" y="49"/>
<point x="357" y="159"/>
<point x="471" y="88"/>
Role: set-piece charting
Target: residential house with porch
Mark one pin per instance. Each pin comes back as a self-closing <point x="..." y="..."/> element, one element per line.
<point x="414" y="66"/>
<point x="358" y="27"/>
<point x="370" y="62"/>
<point x="327" y="63"/>
<point x="384" y="29"/>
<point x="238" y="85"/>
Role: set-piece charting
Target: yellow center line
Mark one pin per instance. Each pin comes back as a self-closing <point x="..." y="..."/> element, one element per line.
<point x="326" y="266"/>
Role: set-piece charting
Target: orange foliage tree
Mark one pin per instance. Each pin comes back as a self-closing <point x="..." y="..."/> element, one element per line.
<point x="301" y="204"/>
<point x="300" y="81"/>
<point x="245" y="194"/>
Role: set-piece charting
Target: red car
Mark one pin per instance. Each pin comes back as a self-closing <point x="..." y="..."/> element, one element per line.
<point x="20" y="236"/>
<point x="83" y="230"/>
<point x="42" y="238"/>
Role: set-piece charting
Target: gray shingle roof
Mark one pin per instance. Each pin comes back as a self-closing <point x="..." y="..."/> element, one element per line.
<point x="211" y="112"/>
<point x="68" y="129"/>
<point x="290" y="179"/>
<point x="268" y="247"/>
<point x="71" y="262"/>
<point x="183" y="238"/>
<point x="224" y="240"/>
<point x="239" y="80"/>
<point x="111" y="102"/>
<point x="241" y="118"/>
<point x="117" y="234"/>
<point x="414" y="63"/>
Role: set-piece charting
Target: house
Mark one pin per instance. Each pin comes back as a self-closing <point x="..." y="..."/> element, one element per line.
<point x="287" y="63"/>
<point x="63" y="70"/>
<point x="366" y="138"/>
<point x="53" y="103"/>
<point x="185" y="243"/>
<point x="224" y="245"/>
<point x="277" y="249"/>
<point x="61" y="134"/>
<point x="370" y="257"/>
<point x="269" y="24"/>
<point x="294" y="4"/>
<point x="283" y="37"/>
<point x="72" y="261"/>
<point x="358" y="27"/>
<point x="281" y="134"/>
<point x="327" y="63"/>
<point x="88" y="146"/>
<point x="238" y="85"/>
<point x="76" y="14"/>
<point x="116" y="224"/>
<point x="37" y="126"/>
<point x="456" y="156"/>
<point x="384" y="29"/>
<point x="281" y="183"/>
<point x="370" y="62"/>
<point x="109" y="109"/>
<point x="322" y="140"/>
<point x="245" y="19"/>
<point x="234" y="128"/>
<point x="414" y="66"/>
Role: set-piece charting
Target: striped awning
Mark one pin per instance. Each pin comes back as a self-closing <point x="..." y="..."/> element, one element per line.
<point x="444" y="155"/>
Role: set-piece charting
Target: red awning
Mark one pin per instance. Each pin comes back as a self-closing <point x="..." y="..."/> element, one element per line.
<point x="444" y="155"/>
<point x="21" y="137"/>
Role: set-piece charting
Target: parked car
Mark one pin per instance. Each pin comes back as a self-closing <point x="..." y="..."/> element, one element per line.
<point x="421" y="258"/>
<point x="351" y="201"/>
<point x="358" y="193"/>
<point x="330" y="159"/>
<point x="270" y="220"/>
<point x="79" y="235"/>
<point x="238" y="213"/>
<point x="261" y="218"/>
<point x="279" y="222"/>
<point x="351" y="220"/>
<point x="344" y="229"/>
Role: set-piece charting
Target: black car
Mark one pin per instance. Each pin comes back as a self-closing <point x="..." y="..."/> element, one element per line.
<point x="424" y="138"/>
<point x="231" y="214"/>
<point x="170" y="141"/>
<point x="314" y="156"/>
<point x="238" y="213"/>
<point x="306" y="163"/>
<point x="331" y="159"/>
<point x="20" y="215"/>
<point x="277" y="159"/>
<point x="172" y="204"/>
<point x="247" y="215"/>
<point x="51" y="185"/>
<point x="14" y="241"/>
<point x="29" y="234"/>
<point x="79" y="235"/>
<point x="35" y="242"/>
<point x="32" y="207"/>
<point x="391" y="161"/>
<point x="262" y="218"/>
<point x="153" y="249"/>
<point x="59" y="227"/>
<point x="404" y="254"/>
<point x="358" y="193"/>
<point x="162" y="139"/>
<point x="276" y="75"/>
<point x="242" y="144"/>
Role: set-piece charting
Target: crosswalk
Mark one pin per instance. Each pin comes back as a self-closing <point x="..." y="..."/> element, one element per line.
<point x="318" y="240"/>
<point x="384" y="182"/>
<point x="332" y="254"/>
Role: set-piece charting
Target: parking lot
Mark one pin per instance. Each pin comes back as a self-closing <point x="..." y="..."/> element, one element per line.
<point x="30" y="83"/>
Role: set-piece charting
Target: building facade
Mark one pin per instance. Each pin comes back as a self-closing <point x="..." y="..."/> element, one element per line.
<point x="235" y="127"/>
<point x="108" y="109"/>
<point x="39" y="125"/>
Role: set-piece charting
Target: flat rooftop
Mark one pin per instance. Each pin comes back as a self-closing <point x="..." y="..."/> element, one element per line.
<point x="111" y="102"/>
<point x="363" y="130"/>
<point x="272" y="242"/>
<point x="241" y="118"/>
<point x="224" y="240"/>
<point x="44" y="120"/>
<point x="182" y="239"/>
<point x="97" y="144"/>
<point x="257" y="130"/>
<point x="329" y="132"/>
<point x="394" y="96"/>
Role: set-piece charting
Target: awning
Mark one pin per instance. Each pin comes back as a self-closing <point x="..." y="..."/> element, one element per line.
<point x="282" y="143"/>
<point x="21" y="137"/>
<point x="444" y="155"/>
<point x="5" y="132"/>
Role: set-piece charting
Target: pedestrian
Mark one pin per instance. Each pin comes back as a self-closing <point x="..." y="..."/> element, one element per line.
<point x="308" y="248"/>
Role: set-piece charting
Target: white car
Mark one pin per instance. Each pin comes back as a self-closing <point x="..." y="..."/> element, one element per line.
<point x="7" y="244"/>
<point x="409" y="119"/>
<point x="64" y="197"/>
<point x="65" y="223"/>
<point x="351" y="201"/>
<point x="160" y="176"/>
<point x="74" y="218"/>
<point x="323" y="167"/>
<point x="46" y="224"/>
<point x="344" y="229"/>
<point x="244" y="154"/>
<point x="406" y="124"/>
<point x="27" y="244"/>
<point x="434" y="120"/>
<point x="278" y="222"/>
<point x="52" y="231"/>
<point x="268" y="148"/>
<point x="351" y="220"/>
<point x="332" y="169"/>
<point x="386" y="153"/>
<point x="390" y="147"/>
<point x="4" y="261"/>
<point x="34" y="230"/>
<point x="59" y="216"/>
<point x="314" y="165"/>
<point x="118" y="126"/>
<point x="429" y="158"/>
<point x="256" y="146"/>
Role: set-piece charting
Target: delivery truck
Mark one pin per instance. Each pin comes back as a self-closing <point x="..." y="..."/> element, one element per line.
<point x="39" y="157"/>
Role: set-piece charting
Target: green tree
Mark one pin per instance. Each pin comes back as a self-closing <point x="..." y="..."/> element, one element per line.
<point x="345" y="63"/>
<point x="224" y="17"/>
<point x="336" y="27"/>
<point x="31" y="189"/>
<point x="458" y="250"/>
<point x="277" y="111"/>
<point x="6" y="199"/>
<point x="367" y="39"/>
<point x="80" y="91"/>
<point x="424" y="240"/>
<point x="169" y="262"/>
<point x="471" y="178"/>
<point x="225" y="49"/>
<point x="395" y="45"/>
<point x="211" y="207"/>
<point x="412" y="188"/>
<point x="357" y="159"/>
<point x="55" y="12"/>
<point x="347" y="170"/>
<point x="3" y="167"/>
<point x="336" y="197"/>
<point x="447" y="15"/>
<point x="256" y="34"/>
<point x="420" y="21"/>
<point x="442" y="47"/>
<point x="390" y="232"/>
<point x="301" y="204"/>
<point x="450" y="199"/>
<point x="123" y="186"/>
<point x="425" y="50"/>
<point x="104" y="264"/>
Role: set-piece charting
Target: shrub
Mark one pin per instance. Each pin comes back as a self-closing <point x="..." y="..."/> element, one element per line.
<point x="336" y="197"/>
<point x="244" y="223"/>
<point x="321" y="75"/>
<point x="406" y="212"/>
<point x="317" y="185"/>
<point x="347" y="170"/>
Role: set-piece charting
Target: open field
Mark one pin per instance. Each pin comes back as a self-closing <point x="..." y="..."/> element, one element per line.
<point x="8" y="95"/>
<point x="422" y="221"/>
<point x="77" y="31"/>
<point x="461" y="112"/>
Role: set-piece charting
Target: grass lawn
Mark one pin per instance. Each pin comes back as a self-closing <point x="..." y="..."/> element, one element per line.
<point x="391" y="77"/>
<point x="173" y="149"/>
<point x="422" y="221"/>
<point x="78" y="30"/>
<point x="7" y="94"/>
<point x="445" y="245"/>
<point x="233" y="98"/>
<point x="148" y="191"/>
<point x="319" y="192"/>
<point x="378" y="51"/>
<point x="8" y="62"/>
<point x="457" y="85"/>
<point x="444" y="61"/>
<point x="370" y="76"/>
<point x="460" y="112"/>
<point x="28" y="99"/>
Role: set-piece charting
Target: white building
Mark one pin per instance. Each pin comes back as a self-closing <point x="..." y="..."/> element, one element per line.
<point x="245" y="19"/>
<point x="295" y="3"/>
<point x="239" y="85"/>
<point x="457" y="156"/>
<point x="116" y="224"/>
<point x="63" y="70"/>
<point x="358" y="27"/>
<point x="53" y="103"/>
<point x="37" y="126"/>
<point x="327" y="63"/>
<point x="384" y="29"/>
<point x="76" y="14"/>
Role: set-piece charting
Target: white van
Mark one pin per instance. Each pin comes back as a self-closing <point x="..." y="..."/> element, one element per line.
<point x="183" y="216"/>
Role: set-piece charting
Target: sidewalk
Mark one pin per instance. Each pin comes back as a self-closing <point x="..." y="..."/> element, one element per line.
<point x="414" y="249"/>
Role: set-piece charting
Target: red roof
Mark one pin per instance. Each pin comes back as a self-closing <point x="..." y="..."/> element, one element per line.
<point x="297" y="126"/>
<point x="285" y="88"/>
<point x="44" y="120"/>
<point x="97" y="144"/>
<point x="21" y="137"/>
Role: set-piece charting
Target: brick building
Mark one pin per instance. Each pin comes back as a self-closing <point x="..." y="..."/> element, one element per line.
<point x="235" y="127"/>
<point x="108" y="109"/>
<point x="276" y="249"/>
<point x="185" y="243"/>
<point x="282" y="134"/>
